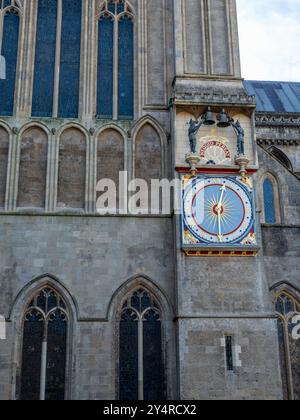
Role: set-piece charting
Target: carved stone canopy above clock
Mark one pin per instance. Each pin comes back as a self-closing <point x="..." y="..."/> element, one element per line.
<point x="215" y="145"/>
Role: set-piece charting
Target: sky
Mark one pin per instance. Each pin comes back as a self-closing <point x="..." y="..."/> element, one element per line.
<point x="270" y="39"/>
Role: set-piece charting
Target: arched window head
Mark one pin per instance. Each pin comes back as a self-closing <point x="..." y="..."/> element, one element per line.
<point x="141" y="371"/>
<point x="282" y="157"/>
<point x="116" y="7"/>
<point x="45" y="327"/>
<point x="286" y="305"/>
<point x="271" y="201"/>
<point x="10" y="14"/>
<point x="14" y="3"/>
<point x="115" y="76"/>
<point x="287" y="308"/>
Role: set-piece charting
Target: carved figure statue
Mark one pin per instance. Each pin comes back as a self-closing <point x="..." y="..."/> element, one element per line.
<point x="240" y="137"/>
<point x="193" y="130"/>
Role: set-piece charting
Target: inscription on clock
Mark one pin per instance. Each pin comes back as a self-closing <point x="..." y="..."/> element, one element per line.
<point x="215" y="150"/>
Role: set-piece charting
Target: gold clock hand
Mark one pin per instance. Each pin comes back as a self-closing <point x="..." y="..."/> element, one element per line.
<point x="220" y="236"/>
<point x="219" y="209"/>
<point x="223" y="191"/>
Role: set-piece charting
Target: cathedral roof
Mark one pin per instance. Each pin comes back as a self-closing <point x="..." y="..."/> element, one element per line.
<point x="277" y="97"/>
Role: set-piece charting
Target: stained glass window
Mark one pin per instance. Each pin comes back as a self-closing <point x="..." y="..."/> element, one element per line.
<point x="70" y="59"/>
<point x="269" y="202"/>
<point x="9" y="50"/>
<point x="44" y="348"/>
<point x="287" y="308"/>
<point x="57" y="32"/>
<point x="141" y="371"/>
<point x="115" y="56"/>
<point x="44" y="69"/>
<point x="105" y="67"/>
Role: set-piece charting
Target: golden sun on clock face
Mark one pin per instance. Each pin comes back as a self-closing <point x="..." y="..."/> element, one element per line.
<point x="218" y="210"/>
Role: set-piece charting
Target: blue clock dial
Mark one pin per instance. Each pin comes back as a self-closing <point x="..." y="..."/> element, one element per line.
<point x="218" y="210"/>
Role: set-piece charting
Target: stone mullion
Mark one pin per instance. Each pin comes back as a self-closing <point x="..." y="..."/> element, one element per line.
<point x="116" y="68"/>
<point x="178" y="31"/>
<point x="93" y="174"/>
<point x="10" y="172"/>
<point x="139" y="49"/>
<point x="14" y="161"/>
<point x="165" y="51"/>
<point x="1" y="29"/>
<point x="22" y="74"/>
<point x="145" y="64"/>
<point x="88" y="58"/>
<point x="57" y="59"/>
<point x="88" y="182"/>
<point x="55" y="169"/>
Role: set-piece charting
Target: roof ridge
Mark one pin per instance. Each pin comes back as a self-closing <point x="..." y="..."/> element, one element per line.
<point x="271" y="81"/>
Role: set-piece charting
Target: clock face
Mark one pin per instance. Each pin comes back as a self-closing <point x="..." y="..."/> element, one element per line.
<point x="218" y="210"/>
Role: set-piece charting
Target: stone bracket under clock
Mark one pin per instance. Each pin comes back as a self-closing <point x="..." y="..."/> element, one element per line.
<point x="218" y="216"/>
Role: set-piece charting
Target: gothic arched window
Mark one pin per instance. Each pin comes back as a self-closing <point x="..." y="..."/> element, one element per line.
<point x="269" y="201"/>
<point x="141" y="371"/>
<point x="9" y="45"/>
<point x="287" y="309"/>
<point x="115" y="61"/>
<point x="45" y="330"/>
<point x="57" y="59"/>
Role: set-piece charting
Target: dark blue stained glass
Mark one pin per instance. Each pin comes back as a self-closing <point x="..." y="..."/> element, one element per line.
<point x="111" y="6"/>
<point x="128" y="368"/>
<point x="153" y="363"/>
<point x="42" y="301"/>
<point x="105" y="77"/>
<point x="125" y="71"/>
<point x="10" y="53"/>
<point x="120" y="7"/>
<point x="6" y="3"/>
<point x="56" y="357"/>
<point x="282" y="350"/>
<point x="32" y="356"/>
<point x="269" y="202"/>
<point x="145" y="301"/>
<point x="43" y="87"/>
<point x="70" y="59"/>
<point x="52" y="301"/>
<point x="279" y="306"/>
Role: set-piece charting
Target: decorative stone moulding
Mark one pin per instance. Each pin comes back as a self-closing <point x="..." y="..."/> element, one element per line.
<point x="231" y="97"/>
<point x="278" y="142"/>
<point x="287" y="120"/>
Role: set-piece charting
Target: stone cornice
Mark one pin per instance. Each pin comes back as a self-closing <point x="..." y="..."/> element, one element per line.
<point x="278" y="142"/>
<point x="264" y="119"/>
<point x="190" y="97"/>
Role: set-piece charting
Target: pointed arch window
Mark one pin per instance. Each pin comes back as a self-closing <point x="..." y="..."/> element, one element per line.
<point x="270" y="196"/>
<point x="141" y="372"/>
<point x="115" y="72"/>
<point x="44" y="354"/>
<point x="57" y="59"/>
<point x="10" y="13"/>
<point x="282" y="157"/>
<point x="287" y="307"/>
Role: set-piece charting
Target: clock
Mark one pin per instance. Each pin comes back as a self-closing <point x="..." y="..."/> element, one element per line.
<point x="218" y="212"/>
